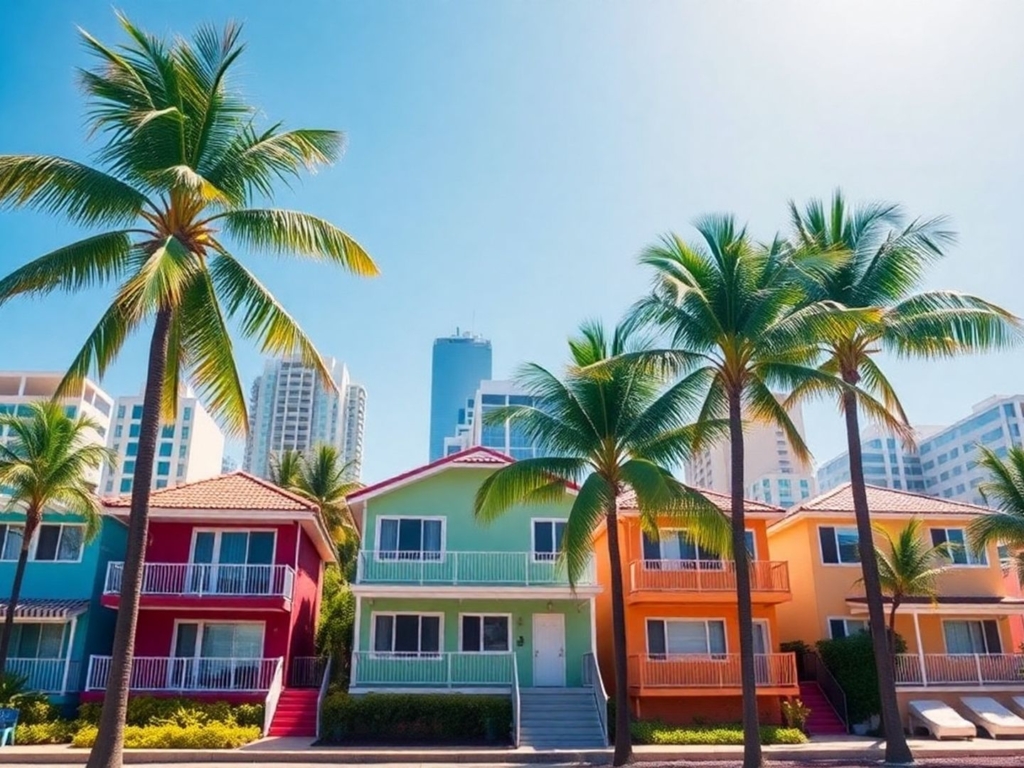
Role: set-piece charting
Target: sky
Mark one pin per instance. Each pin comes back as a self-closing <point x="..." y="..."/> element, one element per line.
<point x="507" y="160"/>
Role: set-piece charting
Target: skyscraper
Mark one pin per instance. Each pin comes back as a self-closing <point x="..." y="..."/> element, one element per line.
<point x="459" y="364"/>
<point x="508" y="438"/>
<point x="886" y="461"/>
<point x="292" y="409"/>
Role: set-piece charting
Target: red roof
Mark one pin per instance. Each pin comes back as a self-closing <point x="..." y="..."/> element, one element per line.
<point x="234" y="491"/>
<point x="723" y="501"/>
<point x="887" y="501"/>
<point x="470" y="456"/>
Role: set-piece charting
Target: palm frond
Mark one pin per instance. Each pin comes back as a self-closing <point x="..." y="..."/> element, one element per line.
<point x="589" y="508"/>
<point x="513" y="484"/>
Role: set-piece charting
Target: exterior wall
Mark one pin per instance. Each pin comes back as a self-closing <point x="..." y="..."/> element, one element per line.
<point x="700" y="710"/>
<point x="171" y="542"/>
<point x="306" y="598"/>
<point x="577" y="626"/>
<point x="156" y="629"/>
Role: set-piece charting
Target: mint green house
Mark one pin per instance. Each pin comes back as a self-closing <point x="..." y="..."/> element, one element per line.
<point x="447" y="604"/>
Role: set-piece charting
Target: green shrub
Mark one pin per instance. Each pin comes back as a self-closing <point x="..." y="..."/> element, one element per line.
<point x="654" y="732"/>
<point x="248" y="714"/>
<point x="213" y="735"/>
<point x="36" y="711"/>
<point x="795" y="714"/>
<point x="418" y="718"/>
<point x="55" y="732"/>
<point x="851" y="660"/>
<point x="151" y="710"/>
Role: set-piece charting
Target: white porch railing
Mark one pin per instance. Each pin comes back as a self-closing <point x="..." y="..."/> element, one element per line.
<point x="273" y="696"/>
<point x="772" y="670"/>
<point x="199" y="580"/>
<point x="46" y="675"/>
<point x="501" y="569"/>
<point x="706" y="575"/>
<point x="161" y="673"/>
<point x="432" y="669"/>
<point x="933" y="669"/>
<point x="592" y="679"/>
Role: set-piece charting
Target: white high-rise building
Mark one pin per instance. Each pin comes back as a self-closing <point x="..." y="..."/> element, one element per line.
<point x="472" y="429"/>
<point x="189" y="449"/>
<point x="292" y="409"/>
<point x="887" y="462"/>
<point x="18" y="389"/>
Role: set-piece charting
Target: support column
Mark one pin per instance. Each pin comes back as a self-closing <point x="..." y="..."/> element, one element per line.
<point x="920" y="648"/>
<point x="67" y="656"/>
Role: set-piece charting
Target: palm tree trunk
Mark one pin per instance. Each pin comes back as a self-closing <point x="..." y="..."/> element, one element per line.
<point x="896" y="749"/>
<point x="892" y="631"/>
<point x="745" y="612"/>
<point x="623" y="740"/>
<point x="32" y="519"/>
<point x="107" y="751"/>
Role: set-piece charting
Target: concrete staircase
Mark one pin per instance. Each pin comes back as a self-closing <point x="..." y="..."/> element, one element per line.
<point x="296" y="713"/>
<point x="559" y="718"/>
<point x="823" y="720"/>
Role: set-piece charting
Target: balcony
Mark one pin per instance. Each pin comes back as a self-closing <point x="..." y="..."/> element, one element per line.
<point x="687" y="581"/>
<point x="708" y="675"/>
<point x="371" y="669"/>
<point x="466" y="569"/>
<point x="184" y="585"/>
<point x="961" y="669"/>
<point x="161" y="673"/>
<point x="56" y="676"/>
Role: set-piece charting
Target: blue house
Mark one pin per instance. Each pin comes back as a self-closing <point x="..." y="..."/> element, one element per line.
<point x="59" y="620"/>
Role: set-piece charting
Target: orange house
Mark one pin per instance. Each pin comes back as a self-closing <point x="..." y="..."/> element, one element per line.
<point x="682" y="633"/>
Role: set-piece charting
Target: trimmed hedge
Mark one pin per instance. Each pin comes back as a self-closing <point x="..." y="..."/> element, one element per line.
<point x="851" y="660"/>
<point x="654" y="732"/>
<point x="54" y="732"/>
<point x="396" y="718"/>
<point x="152" y="710"/>
<point x="210" y="736"/>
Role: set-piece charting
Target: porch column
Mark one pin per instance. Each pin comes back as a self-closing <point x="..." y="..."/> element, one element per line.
<point x="920" y="648"/>
<point x="353" y="679"/>
<point x="67" y="656"/>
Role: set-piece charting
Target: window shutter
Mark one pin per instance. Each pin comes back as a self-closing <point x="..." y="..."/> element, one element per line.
<point x="655" y="637"/>
<point x="829" y="550"/>
<point x="992" y="636"/>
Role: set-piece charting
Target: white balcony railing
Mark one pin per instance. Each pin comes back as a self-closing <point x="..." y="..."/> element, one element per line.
<point x="706" y="575"/>
<point x="932" y="669"/>
<point x="523" y="569"/>
<point x="432" y="669"/>
<point x="46" y="675"/>
<point x="161" y="673"/>
<point x="203" y="580"/>
<point x="772" y="670"/>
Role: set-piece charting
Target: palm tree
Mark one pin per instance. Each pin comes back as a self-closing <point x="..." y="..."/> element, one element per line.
<point x="327" y="481"/>
<point x="1005" y="491"/>
<point x="44" y="467"/>
<point x="608" y="431"/>
<point x="872" y="286"/>
<point x="728" y="307"/>
<point x="183" y="161"/>
<point x="285" y="468"/>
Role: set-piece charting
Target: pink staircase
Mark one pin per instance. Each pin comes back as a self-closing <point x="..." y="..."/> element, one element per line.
<point x="823" y="720"/>
<point x="296" y="713"/>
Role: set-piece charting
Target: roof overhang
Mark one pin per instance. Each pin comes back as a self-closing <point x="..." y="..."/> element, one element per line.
<point x="947" y="607"/>
<point x="848" y="516"/>
<point x="470" y="592"/>
<point x="46" y="610"/>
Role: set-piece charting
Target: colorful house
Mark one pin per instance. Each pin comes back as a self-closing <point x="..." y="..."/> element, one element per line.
<point x="682" y="630"/>
<point x="58" y="621"/>
<point x="958" y="643"/>
<point x="447" y="604"/>
<point x="230" y="596"/>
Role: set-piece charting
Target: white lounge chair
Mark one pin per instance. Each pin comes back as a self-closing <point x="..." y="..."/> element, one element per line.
<point x="1017" y="705"/>
<point x="940" y="720"/>
<point x="989" y="714"/>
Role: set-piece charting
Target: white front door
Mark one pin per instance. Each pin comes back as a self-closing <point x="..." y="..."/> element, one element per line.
<point x="549" y="650"/>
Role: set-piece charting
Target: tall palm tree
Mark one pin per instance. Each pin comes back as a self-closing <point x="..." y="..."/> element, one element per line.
<point x="285" y="468"/>
<point x="326" y="481"/>
<point x="872" y="286"/>
<point x="728" y="307"/>
<point x="181" y="173"/>
<point x="608" y="430"/>
<point x="1005" y="491"/>
<point x="44" y="467"/>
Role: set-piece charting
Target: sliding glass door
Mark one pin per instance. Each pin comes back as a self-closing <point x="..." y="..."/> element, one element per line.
<point x="232" y="562"/>
<point x="218" y="656"/>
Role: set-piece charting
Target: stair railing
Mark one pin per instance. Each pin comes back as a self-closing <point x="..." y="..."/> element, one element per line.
<point x="516" y="717"/>
<point x="829" y="686"/>
<point x="273" y="696"/>
<point x="592" y="678"/>
<point x="324" y="683"/>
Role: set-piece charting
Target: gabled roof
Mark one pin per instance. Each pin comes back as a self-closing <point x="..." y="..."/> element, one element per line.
<point x="235" y="491"/>
<point x="627" y="501"/>
<point x="471" y="457"/>
<point x="885" y="501"/>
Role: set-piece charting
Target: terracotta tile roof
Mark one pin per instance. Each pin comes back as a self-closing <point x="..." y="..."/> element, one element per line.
<point x="723" y="501"/>
<point x="477" y="455"/>
<point x="887" y="500"/>
<point x="235" y="491"/>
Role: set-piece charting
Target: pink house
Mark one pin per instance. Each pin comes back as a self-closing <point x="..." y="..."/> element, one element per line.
<point x="230" y="598"/>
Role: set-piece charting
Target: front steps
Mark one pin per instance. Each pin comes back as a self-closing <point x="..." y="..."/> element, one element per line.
<point x="559" y="718"/>
<point x="823" y="720"/>
<point x="296" y="713"/>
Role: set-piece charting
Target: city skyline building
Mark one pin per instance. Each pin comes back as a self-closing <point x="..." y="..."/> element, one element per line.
<point x="473" y="431"/>
<point x="459" y="363"/>
<point x="887" y="462"/>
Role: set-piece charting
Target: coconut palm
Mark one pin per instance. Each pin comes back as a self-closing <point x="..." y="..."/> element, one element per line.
<point x="728" y="307"/>
<point x="44" y="467"/>
<point x="326" y="480"/>
<point x="285" y="468"/>
<point x="1004" y="490"/>
<point x="607" y="431"/>
<point x="181" y="176"/>
<point x="884" y="260"/>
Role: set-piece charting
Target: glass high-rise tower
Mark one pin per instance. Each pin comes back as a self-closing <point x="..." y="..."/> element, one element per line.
<point x="459" y="364"/>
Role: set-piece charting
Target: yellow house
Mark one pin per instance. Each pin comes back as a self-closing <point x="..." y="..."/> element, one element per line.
<point x="958" y="643"/>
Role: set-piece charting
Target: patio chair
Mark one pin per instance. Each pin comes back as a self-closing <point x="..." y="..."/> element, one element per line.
<point x="985" y="712"/>
<point x="940" y="720"/>
<point x="8" y="724"/>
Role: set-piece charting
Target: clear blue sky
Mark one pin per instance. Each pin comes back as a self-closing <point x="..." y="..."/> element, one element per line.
<point x="507" y="161"/>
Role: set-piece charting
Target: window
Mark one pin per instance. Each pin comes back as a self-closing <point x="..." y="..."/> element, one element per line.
<point x="161" y="484"/>
<point x="406" y="633"/>
<point x="838" y="628"/>
<point x="838" y="545"/>
<point x="163" y="468"/>
<point x="167" y="431"/>
<point x="676" y="545"/>
<point x="166" y="449"/>
<point x="133" y="430"/>
<point x="1008" y="409"/>
<point x="995" y="434"/>
<point x="185" y="431"/>
<point x="37" y="641"/>
<point x="972" y="636"/>
<point x="669" y="637"/>
<point x="136" y="412"/>
<point x="547" y="538"/>
<point x="410" y="538"/>
<point x="235" y="553"/>
<point x="187" y="414"/>
<point x="126" y="485"/>
<point x="54" y="543"/>
<point x="132" y="449"/>
<point x="484" y="634"/>
<point x="10" y="542"/>
<point x="129" y="467"/>
<point x="118" y="431"/>
<point x="120" y="411"/>
<point x="959" y="553"/>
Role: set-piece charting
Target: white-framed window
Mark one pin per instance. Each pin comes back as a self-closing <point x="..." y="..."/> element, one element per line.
<point x="410" y="538"/>
<point x="547" y="539"/>
<point x="840" y="626"/>
<point x="839" y="546"/>
<point x="54" y="543"/>
<point x="408" y="634"/>
<point x="971" y="636"/>
<point x="234" y="562"/>
<point x="675" y="544"/>
<point x="956" y="544"/>
<point x="485" y="633"/>
<point x="674" y="637"/>
<point x="217" y="655"/>
<point x="37" y="641"/>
